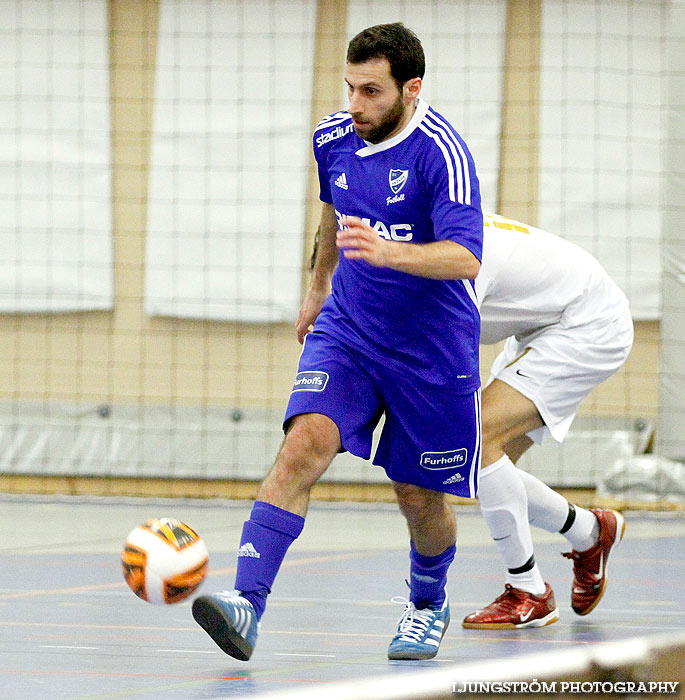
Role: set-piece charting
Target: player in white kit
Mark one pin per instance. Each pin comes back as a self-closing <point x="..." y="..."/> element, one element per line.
<point x="568" y="328"/>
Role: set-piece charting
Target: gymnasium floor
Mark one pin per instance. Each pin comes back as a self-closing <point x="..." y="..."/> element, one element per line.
<point x="71" y="630"/>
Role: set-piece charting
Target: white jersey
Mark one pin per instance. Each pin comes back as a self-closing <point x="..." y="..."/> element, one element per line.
<point x="530" y="279"/>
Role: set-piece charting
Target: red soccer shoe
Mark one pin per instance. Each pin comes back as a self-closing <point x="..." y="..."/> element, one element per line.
<point x="514" y="609"/>
<point x="590" y="566"/>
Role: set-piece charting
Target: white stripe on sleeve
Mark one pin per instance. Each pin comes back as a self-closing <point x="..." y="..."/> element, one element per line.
<point x="455" y="146"/>
<point x="337" y="118"/>
<point x="448" y="160"/>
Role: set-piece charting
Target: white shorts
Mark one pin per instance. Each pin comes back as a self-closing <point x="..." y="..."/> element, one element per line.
<point x="557" y="367"/>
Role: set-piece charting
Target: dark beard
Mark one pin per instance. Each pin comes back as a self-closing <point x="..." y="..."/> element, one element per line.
<point x="389" y="123"/>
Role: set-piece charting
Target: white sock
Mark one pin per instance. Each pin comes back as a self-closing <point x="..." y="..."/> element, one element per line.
<point x="504" y="504"/>
<point x="584" y="531"/>
<point x="549" y="510"/>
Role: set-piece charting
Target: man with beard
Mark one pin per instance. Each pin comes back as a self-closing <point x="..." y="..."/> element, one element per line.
<point x="400" y="244"/>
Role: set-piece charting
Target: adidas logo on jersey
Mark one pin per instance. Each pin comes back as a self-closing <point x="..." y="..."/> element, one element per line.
<point x="341" y="181"/>
<point x="248" y="550"/>
<point x="453" y="479"/>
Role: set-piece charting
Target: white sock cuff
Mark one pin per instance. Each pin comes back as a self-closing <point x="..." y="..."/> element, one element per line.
<point x="503" y="461"/>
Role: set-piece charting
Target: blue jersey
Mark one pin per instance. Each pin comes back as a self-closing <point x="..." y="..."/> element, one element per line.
<point x="419" y="186"/>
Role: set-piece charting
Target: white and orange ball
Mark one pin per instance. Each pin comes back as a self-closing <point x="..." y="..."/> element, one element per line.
<point x="164" y="561"/>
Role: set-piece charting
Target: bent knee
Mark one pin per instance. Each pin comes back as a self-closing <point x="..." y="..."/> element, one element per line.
<point x="495" y="430"/>
<point x="313" y="434"/>
<point x="417" y="503"/>
<point x="311" y="443"/>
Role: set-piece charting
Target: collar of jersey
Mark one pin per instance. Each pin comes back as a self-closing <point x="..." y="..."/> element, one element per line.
<point x="419" y="114"/>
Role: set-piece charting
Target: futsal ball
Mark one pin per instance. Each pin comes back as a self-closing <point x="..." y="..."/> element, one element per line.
<point x="164" y="561"/>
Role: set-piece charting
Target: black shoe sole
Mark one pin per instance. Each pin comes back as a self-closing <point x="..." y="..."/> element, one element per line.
<point x="213" y="620"/>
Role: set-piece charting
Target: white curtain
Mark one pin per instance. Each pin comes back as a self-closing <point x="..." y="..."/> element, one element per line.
<point x="602" y="131"/>
<point x="55" y="170"/>
<point x="230" y="155"/>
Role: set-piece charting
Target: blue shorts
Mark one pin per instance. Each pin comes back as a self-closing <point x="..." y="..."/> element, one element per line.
<point x="431" y="436"/>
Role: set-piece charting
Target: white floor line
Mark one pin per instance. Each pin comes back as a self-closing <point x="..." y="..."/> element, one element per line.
<point x="185" y="651"/>
<point x="64" y="646"/>
<point x="327" y="656"/>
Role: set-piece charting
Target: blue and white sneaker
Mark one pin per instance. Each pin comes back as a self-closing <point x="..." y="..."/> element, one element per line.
<point x="419" y="632"/>
<point x="230" y="620"/>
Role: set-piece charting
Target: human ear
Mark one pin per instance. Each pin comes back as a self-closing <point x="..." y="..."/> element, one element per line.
<point x="411" y="89"/>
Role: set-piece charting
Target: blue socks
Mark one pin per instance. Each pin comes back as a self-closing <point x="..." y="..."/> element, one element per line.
<point x="428" y="577"/>
<point x="265" y="540"/>
<point x="270" y="531"/>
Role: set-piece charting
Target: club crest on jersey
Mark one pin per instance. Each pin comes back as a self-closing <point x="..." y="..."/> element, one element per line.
<point x="310" y="381"/>
<point x="452" y="459"/>
<point x="397" y="179"/>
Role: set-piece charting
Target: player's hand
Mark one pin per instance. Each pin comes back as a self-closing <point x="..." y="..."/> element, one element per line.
<point x="360" y="242"/>
<point x="310" y="309"/>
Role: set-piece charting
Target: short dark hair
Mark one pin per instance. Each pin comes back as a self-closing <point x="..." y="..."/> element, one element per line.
<point x="395" y="42"/>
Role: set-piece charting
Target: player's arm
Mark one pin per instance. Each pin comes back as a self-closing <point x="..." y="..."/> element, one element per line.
<point x="440" y="260"/>
<point x="324" y="262"/>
